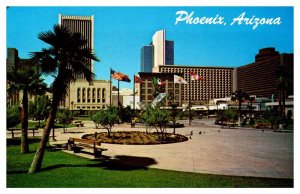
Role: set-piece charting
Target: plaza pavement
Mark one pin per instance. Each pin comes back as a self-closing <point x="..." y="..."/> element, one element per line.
<point x="227" y="151"/>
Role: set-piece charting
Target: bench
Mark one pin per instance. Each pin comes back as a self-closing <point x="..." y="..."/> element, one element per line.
<point x="75" y="144"/>
<point x="79" y="123"/>
<point x="12" y="131"/>
<point x="228" y="124"/>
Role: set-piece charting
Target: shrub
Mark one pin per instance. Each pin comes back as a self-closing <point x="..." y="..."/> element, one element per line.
<point x="156" y="118"/>
<point x="106" y="118"/>
<point x="64" y="117"/>
<point x="13" y="116"/>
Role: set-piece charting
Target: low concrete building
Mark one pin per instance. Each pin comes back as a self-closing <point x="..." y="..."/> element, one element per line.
<point x="87" y="96"/>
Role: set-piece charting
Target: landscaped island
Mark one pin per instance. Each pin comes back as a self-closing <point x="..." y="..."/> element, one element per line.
<point x="137" y="138"/>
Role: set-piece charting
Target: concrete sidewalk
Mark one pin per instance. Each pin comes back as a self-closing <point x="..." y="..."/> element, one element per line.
<point x="215" y="151"/>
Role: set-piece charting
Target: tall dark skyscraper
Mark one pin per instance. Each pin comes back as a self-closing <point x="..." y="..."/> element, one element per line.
<point x="146" y="59"/>
<point x="83" y="25"/>
<point x="169" y="52"/>
<point x="12" y="59"/>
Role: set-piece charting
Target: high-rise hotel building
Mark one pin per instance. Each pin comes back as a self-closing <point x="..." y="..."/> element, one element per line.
<point x="259" y="78"/>
<point x="217" y="82"/>
<point x="83" y="25"/>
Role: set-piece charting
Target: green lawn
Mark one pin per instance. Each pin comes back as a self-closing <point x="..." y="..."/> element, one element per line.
<point x="62" y="170"/>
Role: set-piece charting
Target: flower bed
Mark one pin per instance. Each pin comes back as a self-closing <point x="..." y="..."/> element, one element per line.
<point x="136" y="138"/>
<point x="263" y="125"/>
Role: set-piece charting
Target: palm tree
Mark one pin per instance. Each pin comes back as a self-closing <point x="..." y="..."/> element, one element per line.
<point x="239" y="95"/>
<point x="26" y="79"/>
<point x="281" y="74"/>
<point x="67" y="57"/>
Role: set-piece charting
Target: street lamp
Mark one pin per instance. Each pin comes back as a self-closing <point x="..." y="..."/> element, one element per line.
<point x="174" y="114"/>
<point x="53" y="135"/>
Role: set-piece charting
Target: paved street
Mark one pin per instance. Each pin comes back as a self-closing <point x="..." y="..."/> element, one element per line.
<point x="242" y="152"/>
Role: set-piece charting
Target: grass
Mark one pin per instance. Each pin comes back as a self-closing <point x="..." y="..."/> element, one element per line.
<point x="62" y="170"/>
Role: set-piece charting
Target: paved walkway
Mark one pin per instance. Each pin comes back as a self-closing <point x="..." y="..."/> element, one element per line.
<point x="241" y="152"/>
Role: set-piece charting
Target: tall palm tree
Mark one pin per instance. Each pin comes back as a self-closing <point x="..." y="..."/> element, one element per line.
<point x="66" y="58"/>
<point x="281" y="74"/>
<point x="239" y="95"/>
<point x="26" y="79"/>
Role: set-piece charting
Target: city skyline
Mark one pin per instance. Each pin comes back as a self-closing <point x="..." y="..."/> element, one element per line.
<point x="120" y="33"/>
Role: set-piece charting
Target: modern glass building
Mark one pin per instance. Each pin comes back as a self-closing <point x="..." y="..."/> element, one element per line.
<point x="146" y="59"/>
<point x="162" y="50"/>
<point x="169" y="52"/>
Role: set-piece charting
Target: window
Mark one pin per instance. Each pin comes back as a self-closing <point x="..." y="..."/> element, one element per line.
<point x="103" y="93"/>
<point x="78" y="94"/>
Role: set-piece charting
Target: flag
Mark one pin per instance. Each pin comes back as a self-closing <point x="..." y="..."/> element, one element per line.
<point x="179" y="80"/>
<point x="119" y="76"/>
<point x="137" y="79"/>
<point x="158" y="99"/>
<point x="157" y="81"/>
<point x="195" y="76"/>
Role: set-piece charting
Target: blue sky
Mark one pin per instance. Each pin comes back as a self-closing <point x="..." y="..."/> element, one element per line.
<point x="120" y="32"/>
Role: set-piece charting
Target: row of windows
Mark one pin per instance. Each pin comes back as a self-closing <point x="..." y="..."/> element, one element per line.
<point x="91" y="94"/>
<point x="196" y="70"/>
<point x="90" y="107"/>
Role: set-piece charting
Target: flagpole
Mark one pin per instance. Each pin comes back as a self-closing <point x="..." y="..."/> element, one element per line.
<point x="110" y="88"/>
<point x="173" y="90"/>
<point x="190" y="121"/>
<point x="118" y="94"/>
<point x="133" y="92"/>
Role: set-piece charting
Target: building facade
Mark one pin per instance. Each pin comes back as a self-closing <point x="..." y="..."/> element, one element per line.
<point x="86" y="96"/>
<point x="259" y="78"/>
<point x="146" y="88"/>
<point x="146" y="59"/>
<point x="217" y="82"/>
<point x="83" y="25"/>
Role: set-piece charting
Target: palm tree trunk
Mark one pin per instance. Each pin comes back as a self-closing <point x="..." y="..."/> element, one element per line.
<point x="280" y="104"/>
<point x="38" y="157"/>
<point x="283" y="102"/>
<point x="24" y="117"/>
<point x="240" y="112"/>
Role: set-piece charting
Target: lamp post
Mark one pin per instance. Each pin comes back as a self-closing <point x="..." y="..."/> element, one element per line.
<point x="174" y="114"/>
<point x="53" y="133"/>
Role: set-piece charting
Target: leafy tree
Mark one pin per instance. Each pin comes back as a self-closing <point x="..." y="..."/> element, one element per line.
<point x="231" y="114"/>
<point x="95" y="117"/>
<point x="239" y="95"/>
<point x="106" y="118"/>
<point x="221" y="116"/>
<point x="42" y="107"/>
<point x="13" y="116"/>
<point x="158" y="119"/>
<point x="64" y="117"/>
<point x="66" y="58"/>
<point x="25" y="78"/>
<point x="39" y="108"/>
<point x="31" y="110"/>
<point x="125" y="114"/>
